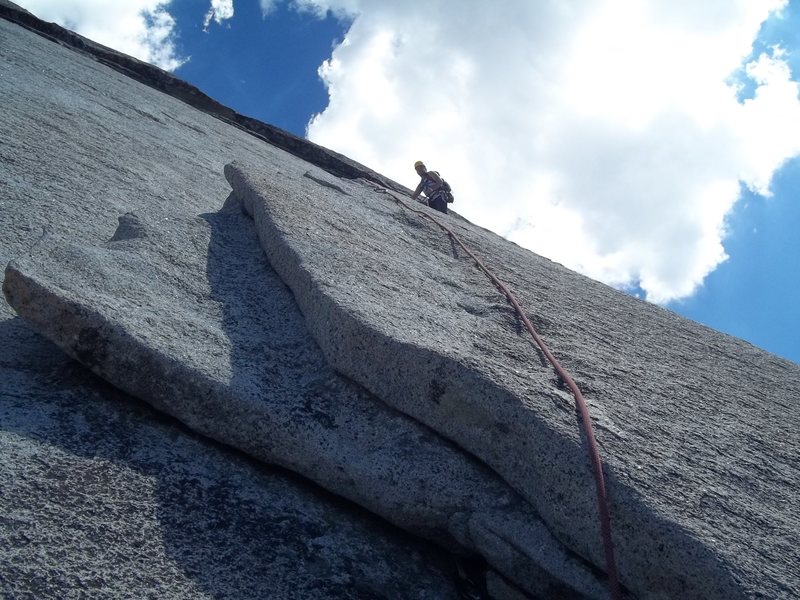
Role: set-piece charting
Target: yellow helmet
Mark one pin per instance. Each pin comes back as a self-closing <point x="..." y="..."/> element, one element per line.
<point x="419" y="163"/>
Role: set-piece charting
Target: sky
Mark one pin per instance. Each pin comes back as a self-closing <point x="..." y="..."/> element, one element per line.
<point x="653" y="145"/>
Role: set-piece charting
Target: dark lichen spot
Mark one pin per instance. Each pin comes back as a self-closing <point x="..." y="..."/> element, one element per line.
<point x="437" y="390"/>
<point x="91" y="348"/>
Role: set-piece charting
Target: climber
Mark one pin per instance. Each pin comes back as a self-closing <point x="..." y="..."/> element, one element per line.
<point x="437" y="191"/>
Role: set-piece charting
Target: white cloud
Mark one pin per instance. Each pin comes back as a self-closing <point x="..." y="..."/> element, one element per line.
<point x="140" y="28"/>
<point x="219" y="11"/>
<point x="267" y="6"/>
<point x="599" y="133"/>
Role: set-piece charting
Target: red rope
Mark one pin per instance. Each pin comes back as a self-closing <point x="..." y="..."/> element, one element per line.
<point x="602" y="497"/>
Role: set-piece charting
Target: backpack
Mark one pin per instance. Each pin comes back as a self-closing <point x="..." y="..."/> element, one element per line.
<point x="448" y="192"/>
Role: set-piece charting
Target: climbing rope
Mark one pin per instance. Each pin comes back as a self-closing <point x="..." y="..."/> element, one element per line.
<point x="594" y="454"/>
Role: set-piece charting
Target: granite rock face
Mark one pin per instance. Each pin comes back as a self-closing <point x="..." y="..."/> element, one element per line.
<point x="695" y="428"/>
<point x="99" y="495"/>
<point x="225" y="349"/>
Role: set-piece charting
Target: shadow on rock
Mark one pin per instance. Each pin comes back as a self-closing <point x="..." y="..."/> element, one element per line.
<point x="102" y="494"/>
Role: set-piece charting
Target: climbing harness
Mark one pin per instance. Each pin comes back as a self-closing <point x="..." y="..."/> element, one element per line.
<point x="602" y="497"/>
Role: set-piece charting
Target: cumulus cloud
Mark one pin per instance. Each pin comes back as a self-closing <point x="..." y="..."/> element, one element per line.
<point x="219" y="11"/>
<point x="604" y="134"/>
<point x="140" y="28"/>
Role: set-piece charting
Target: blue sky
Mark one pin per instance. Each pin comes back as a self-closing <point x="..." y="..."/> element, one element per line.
<point x="654" y="146"/>
<point x="278" y="82"/>
<point x="754" y="294"/>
